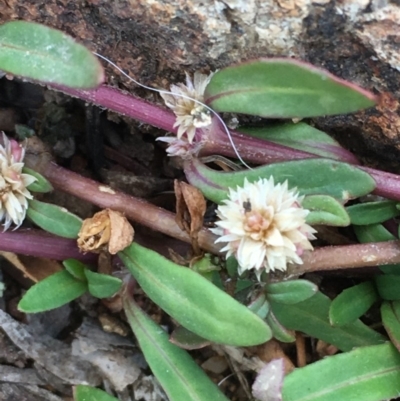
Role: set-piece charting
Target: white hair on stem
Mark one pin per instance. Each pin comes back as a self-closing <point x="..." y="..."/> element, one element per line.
<point x="184" y="97"/>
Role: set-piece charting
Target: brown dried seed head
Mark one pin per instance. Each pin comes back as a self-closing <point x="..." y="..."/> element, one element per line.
<point x="106" y="229"/>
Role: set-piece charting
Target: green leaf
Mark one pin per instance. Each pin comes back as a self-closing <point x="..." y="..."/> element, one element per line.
<point x="388" y="286"/>
<point x="41" y="184"/>
<point x="102" y="285"/>
<point x="87" y="393"/>
<point x="311" y="177"/>
<point x="52" y="292"/>
<point x="186" y="339"/>
<point x="279" y="332"/>
<point x="283" y="88"/>
<point x="373" y="233"/>
<point x="181" y="378"/>
<point x="325" y="210"/>
<point x="376" y="233"/>
<point x="365" y="374"/>
<point x="45" y="54"/>
<point x="193" y="301"/>
<point x="372" y="212"/>
<point x="54" y="219"/>
<point x="76" y="268"/>
<point x="290" y="292"/>
<point x="301" y="136"/>
<point x="352" y="303"/>
<point x="311" y="317"/>
<point x="391" y="322"/>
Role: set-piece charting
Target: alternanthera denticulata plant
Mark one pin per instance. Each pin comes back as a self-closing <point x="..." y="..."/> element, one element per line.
<point x="311" y="185"/>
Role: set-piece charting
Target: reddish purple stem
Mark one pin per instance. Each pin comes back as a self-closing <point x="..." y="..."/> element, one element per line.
<point x="252" y="150"/>
<point x="42" y="244"/>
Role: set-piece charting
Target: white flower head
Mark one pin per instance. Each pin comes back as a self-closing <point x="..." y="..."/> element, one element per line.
<point x="190" y="115"/>
<point x="13" y="192"/>
<point x="264" y="226"/>
<point x="180" y="147"/>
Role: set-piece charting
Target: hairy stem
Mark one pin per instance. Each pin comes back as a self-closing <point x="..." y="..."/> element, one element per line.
<point x="351" y="256"/>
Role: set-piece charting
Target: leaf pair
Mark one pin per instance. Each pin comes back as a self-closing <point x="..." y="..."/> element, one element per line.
<point x="65" y="286"/>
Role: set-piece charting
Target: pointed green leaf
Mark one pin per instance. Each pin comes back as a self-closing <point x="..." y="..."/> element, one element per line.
<point x="365" y="374"/>
<point x="193" y="301"/>
<point x="181" y="378"/>
<point x="311" y="317"/>
<point x="37" y="52"/>
<point x="283" y="88"/>
<point x="41" y="184"/>
<point x="311" y="177"/>
<point x="325" y="210"/>
<point x="87" y="393"/>
<point x="76" y="268"/>
<point x="352" y="303"/>
<point x="391" y="323"/>
<point x="302" y="136"/>
<point x="290" y="292"/>
<point x="102" y="285"/>
<point x="376" y="233"/>
<point x="52" y="292"/>
<point x="388" y="286"/>
<point x="372" y="212"/>
<point x="54" y="219"/>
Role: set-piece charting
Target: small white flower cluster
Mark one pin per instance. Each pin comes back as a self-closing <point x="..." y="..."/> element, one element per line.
<point x="13" y="192"/>
<point x="264" y="226"/>
<point x="190" y="115"/>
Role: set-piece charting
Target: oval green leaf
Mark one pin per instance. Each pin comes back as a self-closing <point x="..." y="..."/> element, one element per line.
<point x="372" y="212"/>
<point x="290" y="292"/>
<point x="54" y="219"/>
<point x="311" y="317"/>
<point x="193" y="301"/>
<point x="76" y="268"/>
<point x="181" y="378"/>
<point x="302" y="136"/>
<point x="41" y="184"/>
<point x="311" y="177"/>
<point x="325" y="210"/>
<point x="87" y="393"/>
<point x="37" y="52"/>
<point x="352" y="303"/>
<point x="102" y="285"/>
<point x="52" y="292"/>
<point x="365" y="374"/>
<point x="283" y="88"/>
<point x="388" y="286"/>
<point x="391" y="323"/>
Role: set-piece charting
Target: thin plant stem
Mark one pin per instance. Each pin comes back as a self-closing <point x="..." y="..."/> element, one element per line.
<point x="253" y="150"/>
<point x="42" y="244"/>
<point x="156" y="218"/>
<point x="351" y="256"/>
<point x="136" y="209"/>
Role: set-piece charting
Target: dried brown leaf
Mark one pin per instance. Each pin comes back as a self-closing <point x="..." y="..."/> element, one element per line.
<point x="35" y="268"/>
<point x="190" y="210"/>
